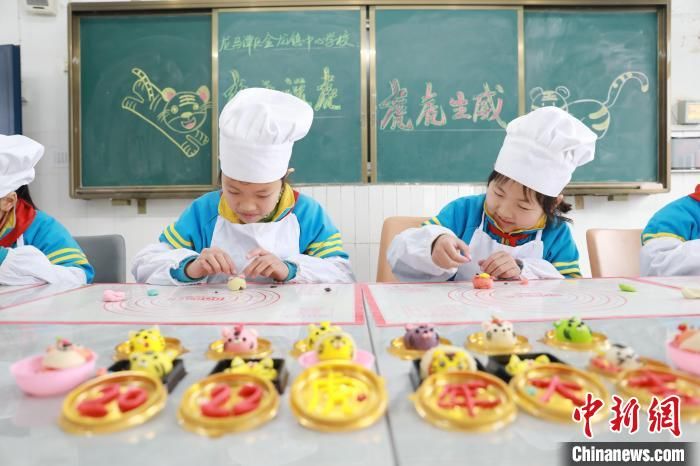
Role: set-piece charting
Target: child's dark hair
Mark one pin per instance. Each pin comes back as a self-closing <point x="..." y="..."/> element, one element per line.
<point x="23" y="193"/>
<point x="554" y="212"/>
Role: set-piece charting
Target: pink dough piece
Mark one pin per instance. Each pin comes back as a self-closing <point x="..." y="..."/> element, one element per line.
<point x="111" y="296"/>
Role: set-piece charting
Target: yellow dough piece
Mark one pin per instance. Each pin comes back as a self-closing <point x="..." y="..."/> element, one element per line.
<point x="236" y="284"/>
<point x="691" y="293"/>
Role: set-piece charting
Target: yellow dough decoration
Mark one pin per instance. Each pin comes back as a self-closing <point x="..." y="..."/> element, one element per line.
<point x="236" y="283"/>
<point x="158" y="364"/>
<point x="264" y="369"/>
<point x="516" y="365"/>
<point x="146" y="340"/>
<point x="444" y="358"/>
<point x="691" y="293"/>
<point x="317" y="331"/>
<point x="335" y="346"/>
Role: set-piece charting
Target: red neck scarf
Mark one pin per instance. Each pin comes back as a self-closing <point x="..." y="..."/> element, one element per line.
<point x="24" y="216"/>
<point x="511" y="239"/>
<point x="696" y="194"/>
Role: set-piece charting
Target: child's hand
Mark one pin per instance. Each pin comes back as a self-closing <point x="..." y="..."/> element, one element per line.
<point x="501" y="265"/>
<point x="267" y="265"/>
<point x="211" y="261"/>
<point x="446" y="252"/>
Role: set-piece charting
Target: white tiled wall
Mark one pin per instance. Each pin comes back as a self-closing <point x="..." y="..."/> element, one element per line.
<point x="357" y="210"/>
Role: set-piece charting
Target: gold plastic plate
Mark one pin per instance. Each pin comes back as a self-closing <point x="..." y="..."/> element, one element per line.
<point x="190" y="413"/>
<point x="337" y="396"/>
<point x="74" y="422"/>
<point x="599" y="342"/>
<point x="612" y="374"/>
<point x="397" y="348"/>
<point x="466" y="401"/>
<point x="546" y="402"/>
<point x="686" y="386"/>
<point x="477" y="342"/>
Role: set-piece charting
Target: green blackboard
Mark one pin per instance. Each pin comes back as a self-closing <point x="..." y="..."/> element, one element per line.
<point x="439" y="84"/>
<point x="447" y="84"/>
<point x="315" y="55"/>
<point x="602" y="68"/>
<point x="145" y="101"/>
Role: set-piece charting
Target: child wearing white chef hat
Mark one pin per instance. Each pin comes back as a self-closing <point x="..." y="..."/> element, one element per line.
<point x="257" y="225"/>
<point x="34" y="247"/>
<point x="515" y="230"/>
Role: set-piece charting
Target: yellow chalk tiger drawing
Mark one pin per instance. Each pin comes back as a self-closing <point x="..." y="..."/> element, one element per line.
<point x="593" y="113"/>
<point x="177" y="115"/>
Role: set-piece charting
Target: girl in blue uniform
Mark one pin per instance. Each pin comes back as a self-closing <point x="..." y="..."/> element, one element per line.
<point x="671" y="239"/>
<point x="515" y="230"/>
<point x="257" y="225"/>
<point x="34" y="247"/>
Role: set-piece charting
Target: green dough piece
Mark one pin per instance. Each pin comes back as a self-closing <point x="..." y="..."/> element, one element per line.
<point x="626" y="287"/>
<point x="572" y="330"/>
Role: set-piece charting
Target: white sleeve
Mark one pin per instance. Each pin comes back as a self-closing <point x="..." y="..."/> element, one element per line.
<point x="410" y="255"/>
<point x="534" y="269"/>
<point x="670" y="256"/>
<point x="319" y="270"/>
<point x="153" y="264"/>
<point x="26" y="265"/>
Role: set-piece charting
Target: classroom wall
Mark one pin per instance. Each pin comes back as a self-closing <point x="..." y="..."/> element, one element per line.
<point x="357" y="210"/>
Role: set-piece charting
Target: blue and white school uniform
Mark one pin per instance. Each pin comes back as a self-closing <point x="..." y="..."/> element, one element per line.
<point x="547" y="250"/>
<point x="34" y="247"/>
<point x="299" y="232"/>
<point x="671" y="239"/>
<point x="541" y="150"/>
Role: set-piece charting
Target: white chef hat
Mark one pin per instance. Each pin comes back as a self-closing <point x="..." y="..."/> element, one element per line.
<point x="543" y="148"/>
<point x="257" y="129"/>
<point x="18" y="156"/>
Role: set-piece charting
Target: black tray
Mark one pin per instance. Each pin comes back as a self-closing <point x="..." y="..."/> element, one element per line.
<point x="280" y="382"/>
<point x="170" y="381"/>
<point x="496" y="365"/>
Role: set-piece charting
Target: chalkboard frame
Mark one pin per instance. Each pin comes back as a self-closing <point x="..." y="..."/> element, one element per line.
<point x="518" y="9"/>
<point x="661" y="184"/>
<point x="363" y="75"/>
<point x="77" y="187"/>
<point x="78" y="10"/>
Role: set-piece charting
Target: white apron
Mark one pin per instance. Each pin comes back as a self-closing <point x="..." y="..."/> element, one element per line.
<point x="280" y="238"/>
<point x="482" y="246"/>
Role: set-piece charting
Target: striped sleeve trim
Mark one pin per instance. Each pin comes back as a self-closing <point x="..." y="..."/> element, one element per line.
<point x="649" y="236"/>
<point x="338" y="250"/>
<point x="174" y="238"/>
<point x="67" y="256"/>
<point x="178" y="237"/>
<point x="564" y="264"/>
<point x="325" y="246"/>
<point x="63" y="251"/>
<point x="432" y="221"/>
<point x="320" y="244"/>
<point x="570" y="271"/>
